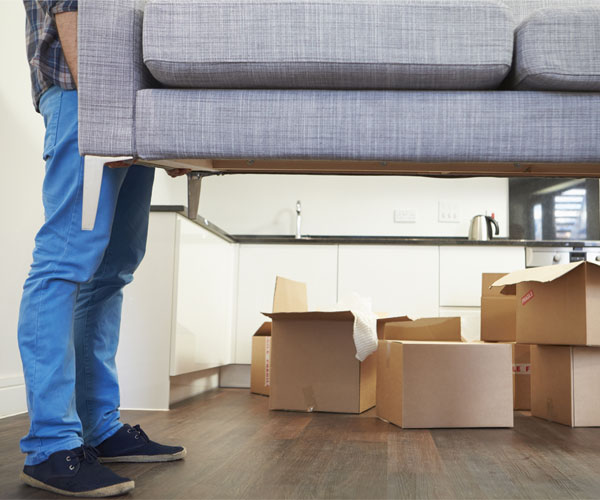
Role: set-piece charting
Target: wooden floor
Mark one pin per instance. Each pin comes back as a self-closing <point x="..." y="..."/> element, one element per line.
<point x="238" y="449"/>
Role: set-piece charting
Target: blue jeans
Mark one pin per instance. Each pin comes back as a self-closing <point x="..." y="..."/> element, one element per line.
<point x="71" y="307"/>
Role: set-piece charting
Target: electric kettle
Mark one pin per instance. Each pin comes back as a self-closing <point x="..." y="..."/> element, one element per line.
<point x="481" y="228"/>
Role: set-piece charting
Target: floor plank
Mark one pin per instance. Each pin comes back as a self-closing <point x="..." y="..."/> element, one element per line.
<point x="237" y="448"/>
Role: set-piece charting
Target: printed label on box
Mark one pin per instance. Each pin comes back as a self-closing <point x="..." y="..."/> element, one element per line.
<point x="527" y="297"/>
<point x="522" y="369"/>
<point x="267" y="361"/>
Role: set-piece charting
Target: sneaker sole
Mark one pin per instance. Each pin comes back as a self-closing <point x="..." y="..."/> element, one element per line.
<point x="144" y="458"/>
<point x="107" y="491"/>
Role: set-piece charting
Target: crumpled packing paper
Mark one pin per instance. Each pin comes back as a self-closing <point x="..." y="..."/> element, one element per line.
<point x="365" y="324"/>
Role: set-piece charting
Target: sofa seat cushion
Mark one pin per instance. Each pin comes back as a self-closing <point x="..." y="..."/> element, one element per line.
<point x="328" y="44"/>
<point x="421" y="126"/>
<point x="559" y="49"/>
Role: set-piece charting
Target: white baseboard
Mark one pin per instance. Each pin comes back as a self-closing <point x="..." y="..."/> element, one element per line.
<point x="192" y="384"/>
<point x="235" y="376"/>
<point x="142" y="409"/>
<point x="13" y="400"/>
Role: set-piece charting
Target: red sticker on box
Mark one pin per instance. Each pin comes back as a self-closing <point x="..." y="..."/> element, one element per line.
<point x="527" y="297"/>
<point x="522" y="369"/>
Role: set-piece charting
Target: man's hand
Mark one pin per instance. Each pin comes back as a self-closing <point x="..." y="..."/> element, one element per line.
<point x="66" y="23"/>
<point x="176" y="172"/>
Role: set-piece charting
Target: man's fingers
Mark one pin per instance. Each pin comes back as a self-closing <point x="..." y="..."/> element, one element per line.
<point x="176" y="172"/>
<point x="120" y="163"/>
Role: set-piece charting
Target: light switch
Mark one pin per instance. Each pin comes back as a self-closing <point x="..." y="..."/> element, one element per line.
<point x="405" y="215"/>
<point x="448" y="211"/>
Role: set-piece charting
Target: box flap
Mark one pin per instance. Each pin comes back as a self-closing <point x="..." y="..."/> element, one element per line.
<point x="264" y="330"/>
<point x="424" y="329"/>
<point x="290" y="296"/>
<point x="313" y="315"/>
<point x="437" y="342"/>
<point x="383" y="320"/>
<point x="540" y="274"/>
<point x="488" y="279"/>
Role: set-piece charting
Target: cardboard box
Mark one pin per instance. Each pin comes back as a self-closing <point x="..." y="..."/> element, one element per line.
<point x="522" y="376"/>
<point x="498" y="310"/>
<point x="444" y="384"/>
<point x="260" y="368"/>
<point x="565" y="384"/>
<point x="423" y="329"/>
<point x="288" y="295"/>
<point x="558" y="305"/>
<point x="313" y="363"/>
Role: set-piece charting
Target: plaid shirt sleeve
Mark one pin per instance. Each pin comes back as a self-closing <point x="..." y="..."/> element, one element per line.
<point x="44" y="51"/>
<point x="57" y="6"/>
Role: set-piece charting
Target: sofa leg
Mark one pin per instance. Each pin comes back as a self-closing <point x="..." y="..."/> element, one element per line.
<point x="194" y="187"/>
<point x="92" y="181"/>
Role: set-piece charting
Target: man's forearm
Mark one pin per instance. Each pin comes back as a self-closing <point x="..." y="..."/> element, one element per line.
<point x="66" y="23"/>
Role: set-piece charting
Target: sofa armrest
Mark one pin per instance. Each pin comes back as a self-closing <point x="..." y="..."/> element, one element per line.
<point x="111" y="71"/>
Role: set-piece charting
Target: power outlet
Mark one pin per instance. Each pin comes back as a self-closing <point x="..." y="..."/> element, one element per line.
<point x="448" y="211"/>
<point x="406" y="215"/>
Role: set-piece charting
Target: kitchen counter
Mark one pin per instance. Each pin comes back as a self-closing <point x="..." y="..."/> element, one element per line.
<point x="404" y="240"/>
<point x="367" y="240"/>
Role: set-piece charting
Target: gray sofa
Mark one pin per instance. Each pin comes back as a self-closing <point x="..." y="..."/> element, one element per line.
<point x="431" y="87"/>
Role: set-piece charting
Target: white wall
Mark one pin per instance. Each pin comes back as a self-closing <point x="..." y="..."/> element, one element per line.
<point x="21" y="174"/>
<point x="340" y="205"/>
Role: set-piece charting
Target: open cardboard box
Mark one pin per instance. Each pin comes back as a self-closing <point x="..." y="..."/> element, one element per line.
<point x="558" y="305"/>
<point x="498" y="310"/>
<point x="313" y="357"/>
<point x="260" y="368"/>
<point x="565" y="384"/>
<point x="312" y="364"/>
<point x="444" y="384"/>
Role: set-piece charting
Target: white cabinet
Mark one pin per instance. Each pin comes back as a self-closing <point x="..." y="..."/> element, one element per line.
<point x="144" y="344"/>
<point x="461" y="268"/>
<point x="397" y="278"/>
<point x="315" y="265"/>
<point x="177" y="313"/>
<point x="197" y="299"/>
<point x="470" y="320"/>
<point x="203" y="300"/>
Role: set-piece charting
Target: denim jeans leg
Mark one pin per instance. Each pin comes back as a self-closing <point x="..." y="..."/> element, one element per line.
<point x="64" y="258"/>
<point x="98" y="309"/>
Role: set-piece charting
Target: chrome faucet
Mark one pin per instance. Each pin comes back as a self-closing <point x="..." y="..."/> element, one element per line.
<point x="298" y="219"/>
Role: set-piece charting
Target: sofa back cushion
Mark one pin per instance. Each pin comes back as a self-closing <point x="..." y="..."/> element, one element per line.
<point x="329" y="44"/>
<point x="558" y="49"/>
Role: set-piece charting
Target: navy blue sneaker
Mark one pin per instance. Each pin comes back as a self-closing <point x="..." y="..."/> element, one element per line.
<point x="131" y="444"/>
<point x="76" y="473"/>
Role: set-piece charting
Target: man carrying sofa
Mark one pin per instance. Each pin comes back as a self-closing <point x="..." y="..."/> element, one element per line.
<point x="71" y="306"/>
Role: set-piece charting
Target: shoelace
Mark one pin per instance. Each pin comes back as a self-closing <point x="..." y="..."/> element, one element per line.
<point x="139" y="432"/>
<point x="86" y="453"/>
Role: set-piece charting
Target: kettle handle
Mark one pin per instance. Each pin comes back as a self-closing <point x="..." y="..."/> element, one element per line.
<point x="492" y="220"/>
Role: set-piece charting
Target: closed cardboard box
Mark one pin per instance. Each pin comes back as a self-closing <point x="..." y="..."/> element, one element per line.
<point x="260" y="368"/>
<point x="522" y="376"/>
<point x="498" y="310"/>
<point x="444" y="384"/>
<point x="565" y="384"/>
<point x="313" y="358"/>
<point x="423" y="329"/>
<point x="557" y="305"/>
